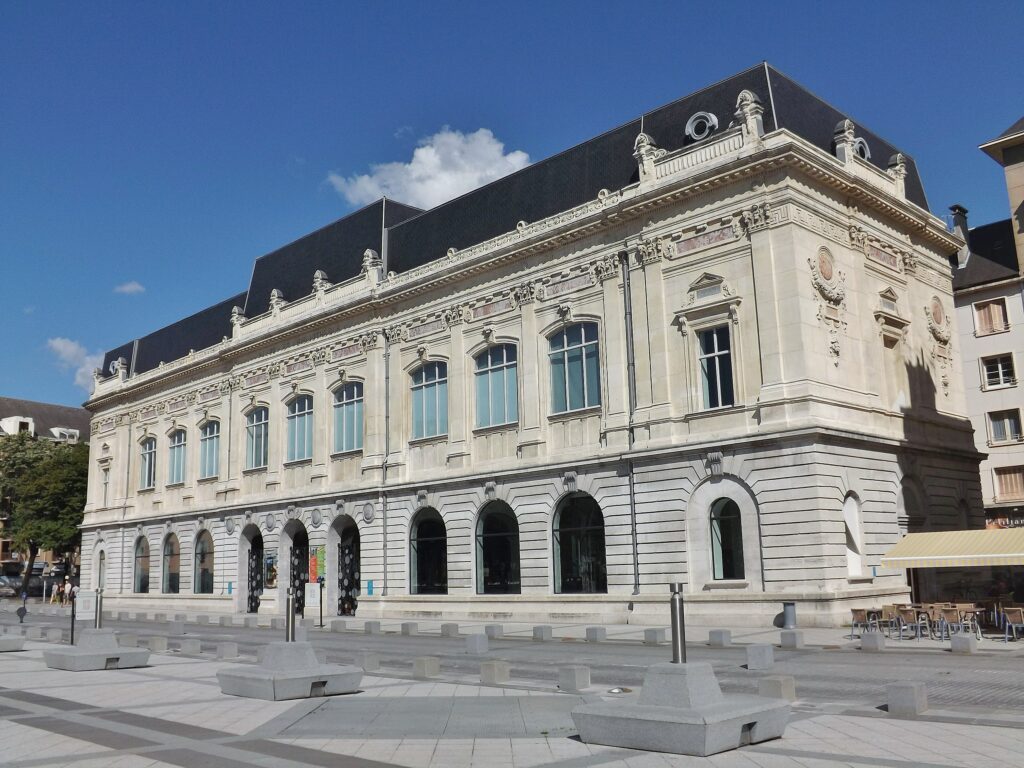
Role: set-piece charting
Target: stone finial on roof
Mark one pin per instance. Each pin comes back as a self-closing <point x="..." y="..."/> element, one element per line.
<point x="320" y="282"/>
<point x="749" y="113"/>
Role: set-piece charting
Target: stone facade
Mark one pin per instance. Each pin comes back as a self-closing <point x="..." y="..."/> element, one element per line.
<point x="846" y="425"/>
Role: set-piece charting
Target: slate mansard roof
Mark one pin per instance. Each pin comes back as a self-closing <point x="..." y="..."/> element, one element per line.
<point x="47" y="416"/>
<point x="407" y="237"/>
<point x="993" y="256"/>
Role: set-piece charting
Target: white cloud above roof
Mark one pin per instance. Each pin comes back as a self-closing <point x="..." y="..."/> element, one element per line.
<point x="72" y="356"/>
<point x="443" y="166"/>
<point x="130" y="288"/>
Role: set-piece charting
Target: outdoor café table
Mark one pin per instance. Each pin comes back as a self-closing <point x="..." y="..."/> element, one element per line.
<point x="975" y="613"/>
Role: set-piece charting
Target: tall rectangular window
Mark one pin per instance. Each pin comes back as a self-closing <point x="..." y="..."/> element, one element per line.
<point x="105" y="480"/>
<point x="575" y="368"/>
<point x="348" y="418"/>
<point x="715" y="359"/>
<point x="1005" y="425"/>
<point x="999" y="371"/>
<point x="147" y="465"/>
<point x="430" y="400"/>
<point x="209" y="449"/>
<point x="1010" y="483"/>
<point x="256" y="429"/>
<point x="497" y="400"/>
<point x="176" y="458"/>
<point x="300" y="429"/>
<point x="990" y="317"/>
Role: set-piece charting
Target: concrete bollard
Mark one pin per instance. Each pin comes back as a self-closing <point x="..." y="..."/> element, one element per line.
<point x="181" y="617"/>
<point x="760" y="656"/>
<point x="54" y="634"/>
<point x="338" y="625"/>
<point x="495" y="672"/>
<point x="127" y="640"/>
<point x="574" y="679"/>
<point x="177" y="627"/>
<point x="157" y="644"/>
<point x="34" y="633"/>
<point x="654" y="636"/>
<point x="227" y="650"/>
<point x="963" y="644"/>
<point x="202" y="618"/>
<point x="372" y="627"/>
<point x="160" y="617"/>
<point x="476" y="644"/>
<point x="124" y="616"/>
<point x="720" y="638"/>
<point x="596" y="634"/>
<point x="410" y="628"/>
<point x="777" y="687"/>
<point x="302" y="633"/>
<point x="426" y="667"/>
<point x="450" y="630"/>
<point x="368" y="660"/>
<point x="542" y="634"/>
<point x="226" y="621"/>
<point x="190" y="646"/>
<point x="791" y="639"/>
<point x="251" y="622"/>
<point x="872" y="642"/>
<point x="494" y="631"/>
<point x="278" y="622"/>
<point x="907" y="699"/>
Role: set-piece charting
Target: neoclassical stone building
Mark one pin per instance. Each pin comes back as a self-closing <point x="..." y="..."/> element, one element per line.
<point x="713" y="345"/>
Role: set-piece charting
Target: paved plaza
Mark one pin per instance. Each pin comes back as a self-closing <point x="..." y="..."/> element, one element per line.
<point x="172" y="713"/>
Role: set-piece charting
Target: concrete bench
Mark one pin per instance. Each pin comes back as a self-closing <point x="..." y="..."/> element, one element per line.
<point x="54" y="634"/>
<point x="495" y="672"/>
<point x="250" y="622"/>
<point x="34" y="633"/>
<point x="426" y="667"/>
<point x="277" y="622"/>
<point x="288" y="671"/>
<point x="963" y="644"/>
<point x="127" y="640"/>
<point x="338" y="625"/>
<point x="476" y="644"/>
<point x="542" y="633"/>
<point x="157" y="644"/>
<point x="176" y="627"/>
<point x="791" y="639"/>
<point x="10" y="643"/>
<point x="124" y="616"/>
<point x="191" y="646"/>
<point x="596" y="634"/>
<point x="226" y="621"/>
<point x="872" y="642"/>
<point x="97" y="649"/>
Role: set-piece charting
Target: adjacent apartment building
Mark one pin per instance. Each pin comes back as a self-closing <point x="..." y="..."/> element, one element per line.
<point x="990" y="308"/>
<point x="713" y="345"/>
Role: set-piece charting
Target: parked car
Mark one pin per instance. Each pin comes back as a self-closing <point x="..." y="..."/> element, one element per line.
<point x="8" y="587"/>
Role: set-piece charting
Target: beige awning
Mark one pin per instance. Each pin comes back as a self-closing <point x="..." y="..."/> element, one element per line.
<point x="952" y="549"/>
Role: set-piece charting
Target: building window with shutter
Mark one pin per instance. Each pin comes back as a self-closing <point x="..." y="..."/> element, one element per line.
<point x="990" y="317"/>
<point x="1004" y="426"/>
<point x="1010" y="483"/>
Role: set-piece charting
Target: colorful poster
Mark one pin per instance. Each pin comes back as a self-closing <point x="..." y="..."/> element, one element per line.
<point x="317" y="563"/>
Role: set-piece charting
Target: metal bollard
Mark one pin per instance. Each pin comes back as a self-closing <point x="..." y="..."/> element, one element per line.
<point x="678" y="624"/>
<point x="289" y="616"/>
<point x="789" y="615"/>
<point x="98" y="621"/>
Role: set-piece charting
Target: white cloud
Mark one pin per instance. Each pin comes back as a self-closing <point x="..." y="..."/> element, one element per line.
<point x="445" y="165"/>
<point x="72" y="356"/>
<point x="131" y="287"/>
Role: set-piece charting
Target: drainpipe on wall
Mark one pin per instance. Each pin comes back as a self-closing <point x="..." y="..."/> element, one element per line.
<point x="124" y="505"/>
<point x="631" y="386"/>
<point x="384" y="462"/>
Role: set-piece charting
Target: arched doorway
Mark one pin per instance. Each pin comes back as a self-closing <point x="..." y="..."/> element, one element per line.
<point x="726" y="541"/>
<point x="297" y="540"/>
<point x="141" y="581"/>
<point x="171" y="565"/>
<point x="580" y="563"/>
<point x="202" y="572"/>
<point x="497" y="550"/>
<point x="252" y="546"/>
<point x="346" y="532"/>
<point x="428" y="554"/>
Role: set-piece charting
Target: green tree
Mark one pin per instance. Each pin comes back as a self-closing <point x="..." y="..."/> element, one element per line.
<point x="45" y="484"/>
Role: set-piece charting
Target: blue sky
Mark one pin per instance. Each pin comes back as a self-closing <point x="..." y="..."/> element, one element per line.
<point x="150" y="152"/>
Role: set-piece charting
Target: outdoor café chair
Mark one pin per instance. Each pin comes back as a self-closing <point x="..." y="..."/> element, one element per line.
<point x="1013" y="619"/>
<point x="863" y="620"/>
<point x="915" y="621"/>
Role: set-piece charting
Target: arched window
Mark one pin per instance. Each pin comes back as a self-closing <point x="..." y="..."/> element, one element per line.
<point x="209" y="450"/>
<point x="300" y="429"/>
<point x="171" y="566"/>
<point x="575" y="368"/>
<point x="257" y="424"/>
<point x="147" y="465"/>
<point x="348" y="417"/>
<point x="497" y="550"/>
<point x="141" y="565"/>
<point x="202" y="582"/>
<point x="101" y="570"/>
<point x="176" y="458"/>
<point x="430" y="400"/>
<point x="580" y="564"/>
<point x="497" y="400"/>
<point x="428" y="554"/>
<point x="854" y="537"/>
<point x="726" y="540"/>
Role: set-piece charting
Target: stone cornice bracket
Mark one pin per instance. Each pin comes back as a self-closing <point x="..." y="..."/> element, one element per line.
<point x="565" y="312"/>
<point x="421" y="499"/>
<point x="320" y="282"/>
<point x="858" y="236"/>
<point x="421" y="352"/>
<point x="526" y="293"/>
<point x="898" y="171"/>
<point x="645" y="152"/>
<point x="490" y="490"/>
<point x="277" y="301"/>
<point x="569" y="482"/>
<point x="396" y="334"/>
<point x="714" y="464"/>
<point x="749" y="114"/>
<point x="755" y="218"/>
<point x="605" y="268"/>
<point x="457" y="315"/>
